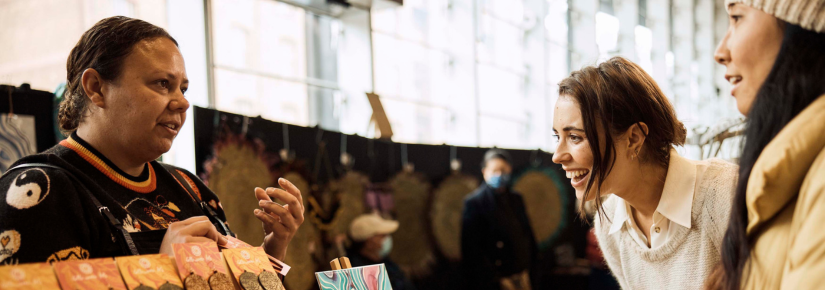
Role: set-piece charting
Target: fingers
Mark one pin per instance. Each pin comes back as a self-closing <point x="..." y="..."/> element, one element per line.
<point x="284" y="215"/>
<point x="203" y="228"/>
<point x="295" y="206"/>
<point x="191" y="220"/>
<point x="291" y="188"/>
<point x="260" y="194"/>
<point x="198" y="240"/>
<point x="270" y="222"/>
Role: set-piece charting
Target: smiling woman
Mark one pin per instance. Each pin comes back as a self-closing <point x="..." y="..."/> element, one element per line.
<point x="662" y="226"/>
<point x="774" y="52"/>
<point x="123" y="108"/>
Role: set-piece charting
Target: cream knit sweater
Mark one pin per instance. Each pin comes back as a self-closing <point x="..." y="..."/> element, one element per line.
<point x="687" y="258"/>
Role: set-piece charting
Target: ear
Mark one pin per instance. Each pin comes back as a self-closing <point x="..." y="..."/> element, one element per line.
<point x="93" y="85"/>
<point x="636" y="135"/>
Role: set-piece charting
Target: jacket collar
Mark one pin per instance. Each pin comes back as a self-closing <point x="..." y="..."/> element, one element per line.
<point x="779" y="171"/>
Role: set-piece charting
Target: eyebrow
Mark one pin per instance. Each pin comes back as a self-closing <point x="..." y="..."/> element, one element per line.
<point x="173" y="77"/>
<point x="570" y="128"/>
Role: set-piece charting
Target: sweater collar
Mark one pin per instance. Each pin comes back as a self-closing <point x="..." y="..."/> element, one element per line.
<point x="778" y="173"/>
<point x="144" y="183"/>
<point x="676" y="202"/>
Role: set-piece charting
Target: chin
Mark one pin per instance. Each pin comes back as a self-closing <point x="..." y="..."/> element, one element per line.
<point x="579" y="194"/>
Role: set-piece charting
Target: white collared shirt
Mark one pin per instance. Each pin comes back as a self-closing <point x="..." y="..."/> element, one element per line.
<point x="674" y="209"/>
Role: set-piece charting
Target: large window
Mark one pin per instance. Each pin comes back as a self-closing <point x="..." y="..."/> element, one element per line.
<point x="462" y="72"/>
<point x="477" y="73"/>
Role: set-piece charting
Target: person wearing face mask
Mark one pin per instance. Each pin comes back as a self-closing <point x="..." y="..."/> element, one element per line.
<point x="662" y="224"/>
<point x="371" y="238"/>
<point x="774" y="51"/>
<point x="498" y="248"/>
<point x="101" y="192"/>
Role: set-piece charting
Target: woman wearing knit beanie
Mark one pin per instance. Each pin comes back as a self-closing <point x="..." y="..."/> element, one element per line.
<point x="774" y="52"/>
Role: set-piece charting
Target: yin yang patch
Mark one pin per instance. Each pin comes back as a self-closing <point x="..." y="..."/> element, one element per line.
<point x="28" y="189"/>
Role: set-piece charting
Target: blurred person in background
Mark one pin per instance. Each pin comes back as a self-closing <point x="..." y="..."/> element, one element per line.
<point x="498" y="248"/>
<point x="371" y="238"/>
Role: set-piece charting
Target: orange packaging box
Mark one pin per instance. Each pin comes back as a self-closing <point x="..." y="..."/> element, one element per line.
<point x="149" y="270"/>
<point x="28" y="277"/>
<point x="199" y="258"/>
<point x="92" y="274"/>
<point x="247" y="259"/>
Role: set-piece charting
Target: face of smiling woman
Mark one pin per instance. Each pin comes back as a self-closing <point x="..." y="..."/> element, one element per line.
<point x="573" y="152"/>
<point x="749" y="50"/>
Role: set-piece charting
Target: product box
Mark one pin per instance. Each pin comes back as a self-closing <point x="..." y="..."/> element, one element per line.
<point x="148" y="270"/>
<point x="94" y="274"/>
<point x="373" y="277"/>
<point x="251" y="268"/>
<point x="199" y="258"/>
<point x="234" y="243"/>
<point x="28" y="277"/>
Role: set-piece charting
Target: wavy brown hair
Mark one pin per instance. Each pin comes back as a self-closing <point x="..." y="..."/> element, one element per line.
<point x="103" y="48"/>
<point x="615" y="95"/>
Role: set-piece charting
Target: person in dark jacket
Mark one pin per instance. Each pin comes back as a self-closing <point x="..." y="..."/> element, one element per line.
<point x="372" y="243"/>
<point x="498" y="247"/>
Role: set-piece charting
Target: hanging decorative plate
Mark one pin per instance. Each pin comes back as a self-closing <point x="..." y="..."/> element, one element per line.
<point x="303" y="246"/>
<point x="412" y="249"/>
<point x="446" y="210"/>
<point x="236" y="167"/>
<point x="350" y="190"/>
<point x="545" y="199"/>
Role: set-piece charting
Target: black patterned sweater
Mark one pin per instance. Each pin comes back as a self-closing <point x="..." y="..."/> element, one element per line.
<point x="45" y="216"/>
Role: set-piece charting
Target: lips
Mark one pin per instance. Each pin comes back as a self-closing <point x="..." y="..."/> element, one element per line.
<point x="734" y="80"/>
<point x="577" y="176"/>
<point x="172" y="126"/>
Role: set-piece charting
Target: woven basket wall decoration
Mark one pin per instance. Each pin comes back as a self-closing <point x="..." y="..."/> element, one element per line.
<point x="412" y="248"/>
<point x="350" y="188"/>
<point x="546" y="202"/>
<point x="446" y="210"/>
<point x="233" y="172"/>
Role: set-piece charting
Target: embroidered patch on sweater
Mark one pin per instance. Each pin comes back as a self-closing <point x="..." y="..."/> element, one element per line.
<point x="73" y="253"/>
<point x="9" y="244"/>
<point x="28" y="189"/>
<point x="151" y="215"/>
<point x="145" y="186"/>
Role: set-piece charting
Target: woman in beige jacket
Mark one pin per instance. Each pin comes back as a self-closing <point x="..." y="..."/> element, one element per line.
<point x="774" y="52"/>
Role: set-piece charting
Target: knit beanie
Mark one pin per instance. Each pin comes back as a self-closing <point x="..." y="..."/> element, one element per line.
<point x="808" y="14"/>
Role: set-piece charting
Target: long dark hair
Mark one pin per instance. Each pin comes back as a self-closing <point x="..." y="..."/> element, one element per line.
<point x="103" y="47"/>
<point x="615" y="95"/>
<point x="795" y="81"/>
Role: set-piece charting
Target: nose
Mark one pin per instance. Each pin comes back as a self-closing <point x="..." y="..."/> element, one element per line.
<point x="561" y="154"/>
<point x="722" y="54"/>
<point x="179" y="103"/>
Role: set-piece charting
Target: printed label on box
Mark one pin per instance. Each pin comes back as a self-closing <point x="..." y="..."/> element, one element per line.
<point x="148" y="270"/>
<point x="247" y="259"/>
<point x="199" y="258"/>
<point x="89" y="274"/>
<point x="29" y="276"/>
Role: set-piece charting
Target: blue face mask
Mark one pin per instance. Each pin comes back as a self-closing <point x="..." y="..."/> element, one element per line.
<point x="499" y="181"/>
<point x="386" y="247"/>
